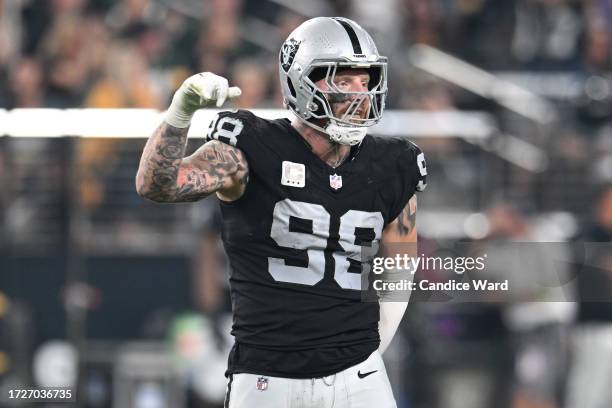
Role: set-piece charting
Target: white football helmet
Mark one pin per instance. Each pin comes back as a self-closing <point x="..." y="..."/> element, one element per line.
<point x="318" y="49"/>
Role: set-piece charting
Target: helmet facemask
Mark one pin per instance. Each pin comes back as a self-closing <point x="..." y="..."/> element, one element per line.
<point x="347" y="127"/>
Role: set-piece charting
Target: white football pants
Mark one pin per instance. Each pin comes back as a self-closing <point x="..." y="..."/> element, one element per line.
<point x="591" y="372"/>
<point x="364" y="385"/>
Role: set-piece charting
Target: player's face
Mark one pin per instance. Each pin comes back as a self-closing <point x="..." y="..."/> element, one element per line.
<point x="349" y="80"/>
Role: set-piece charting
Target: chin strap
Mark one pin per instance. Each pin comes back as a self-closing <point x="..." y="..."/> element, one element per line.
<point x="346" y="135"/>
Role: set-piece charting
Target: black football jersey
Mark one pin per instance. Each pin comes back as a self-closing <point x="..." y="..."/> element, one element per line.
<point x="295" y="239"/>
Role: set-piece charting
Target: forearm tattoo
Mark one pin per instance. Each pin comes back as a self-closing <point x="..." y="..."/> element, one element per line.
<point x="165" y="176"/>
<point x="406" y="220"/>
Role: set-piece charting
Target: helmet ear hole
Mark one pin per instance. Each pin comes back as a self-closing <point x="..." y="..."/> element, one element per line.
<point x="291" y="88"/>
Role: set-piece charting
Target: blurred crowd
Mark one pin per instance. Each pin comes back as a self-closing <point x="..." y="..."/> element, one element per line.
<point x="134" y="53"/>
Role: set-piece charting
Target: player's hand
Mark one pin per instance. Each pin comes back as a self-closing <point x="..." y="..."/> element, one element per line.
<point x="198" y="91"/>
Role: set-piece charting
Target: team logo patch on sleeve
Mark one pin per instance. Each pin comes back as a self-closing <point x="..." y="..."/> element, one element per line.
<point x="294" y="174"/>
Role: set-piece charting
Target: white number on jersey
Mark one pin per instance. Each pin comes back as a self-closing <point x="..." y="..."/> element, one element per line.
<point x="225" y="127"/>
<point x="315" y="242"/>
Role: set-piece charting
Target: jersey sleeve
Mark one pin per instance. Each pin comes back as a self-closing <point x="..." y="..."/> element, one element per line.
<point x="236" y="128"/>
<point x="412" y="170"/>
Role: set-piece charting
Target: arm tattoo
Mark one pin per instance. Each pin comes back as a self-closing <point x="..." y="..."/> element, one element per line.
<point x="406" y="220"/>
<point x="160" y="162"/>
<point x="165" y="175"/>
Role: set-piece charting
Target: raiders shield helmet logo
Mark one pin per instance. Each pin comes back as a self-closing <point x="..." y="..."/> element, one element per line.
<point x="287" y="54"/>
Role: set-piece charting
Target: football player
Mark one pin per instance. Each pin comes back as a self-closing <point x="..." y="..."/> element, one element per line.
<point x="300" y="201"/>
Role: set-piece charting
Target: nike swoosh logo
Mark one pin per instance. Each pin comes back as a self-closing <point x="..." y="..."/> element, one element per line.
<point x="364" y="375"/>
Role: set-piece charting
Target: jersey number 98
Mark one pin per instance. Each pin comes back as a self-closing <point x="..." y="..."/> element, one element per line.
<point x="358" y="236"/>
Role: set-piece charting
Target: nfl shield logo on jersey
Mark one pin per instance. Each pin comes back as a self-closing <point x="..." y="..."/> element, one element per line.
<point x="335" y="181"/>
<point x="262" y="383"/>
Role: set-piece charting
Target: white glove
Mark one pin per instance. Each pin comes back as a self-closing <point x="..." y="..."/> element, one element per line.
<point x="198" y="91"/>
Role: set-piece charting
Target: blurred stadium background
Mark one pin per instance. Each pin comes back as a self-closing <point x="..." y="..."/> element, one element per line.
<point x="124" y="300"/>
